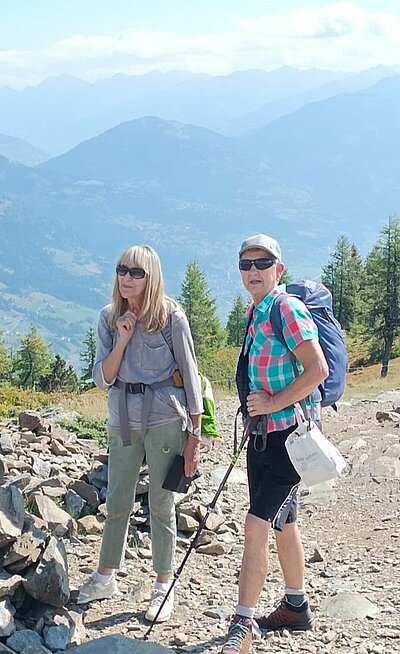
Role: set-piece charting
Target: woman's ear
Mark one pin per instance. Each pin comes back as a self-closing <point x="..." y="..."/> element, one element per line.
<point x="280" y="268"/>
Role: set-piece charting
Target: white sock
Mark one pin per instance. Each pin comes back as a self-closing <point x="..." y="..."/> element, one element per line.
<point x="164" y="586"/>
<point x="102" y="579"/>
<point x="245" y="611"/>
<point x="294" y="591"/>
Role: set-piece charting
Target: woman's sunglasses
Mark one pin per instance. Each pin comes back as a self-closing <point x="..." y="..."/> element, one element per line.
<point x="135" y="273"/>
<point x="260" y="264"/>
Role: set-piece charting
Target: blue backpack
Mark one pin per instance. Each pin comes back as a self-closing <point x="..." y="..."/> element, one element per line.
<point x="318" y="301"/>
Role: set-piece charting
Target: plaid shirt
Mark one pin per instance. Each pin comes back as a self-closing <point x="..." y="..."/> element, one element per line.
<point x="270" y="362"/>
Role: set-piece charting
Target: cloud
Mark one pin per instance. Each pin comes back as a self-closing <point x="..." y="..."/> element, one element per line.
<point x="339" y="35"/>
<point x="332" y="21"/>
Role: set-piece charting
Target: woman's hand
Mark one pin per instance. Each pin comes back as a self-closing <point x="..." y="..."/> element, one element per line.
<point x="260" y="403"/>
<point x="191" y="455"/>
<point x="126" y="326"/>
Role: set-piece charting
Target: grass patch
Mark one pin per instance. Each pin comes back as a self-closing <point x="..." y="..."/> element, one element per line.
<point x="367" y="382"/>
<point x="91" y="403"/>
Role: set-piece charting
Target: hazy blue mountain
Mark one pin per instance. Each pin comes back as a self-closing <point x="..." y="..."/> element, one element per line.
<point x="213" y="101"/>
<point x="63" y="111"/>
<point x="197" y="162"/>
<point x="331" y="167"/>
<point x="344" y="150"/>
<point x="286" y="105"/>
<point x="186" y="190"/>
<point x="20" y="151"/>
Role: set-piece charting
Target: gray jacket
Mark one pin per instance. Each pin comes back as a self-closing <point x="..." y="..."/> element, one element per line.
<point x="148" y="359"/>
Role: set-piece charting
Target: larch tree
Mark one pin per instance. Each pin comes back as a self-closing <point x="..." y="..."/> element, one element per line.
<point x="5" y="361"/>
<point x="32" y="359"/>
<point x="88" y="356"/>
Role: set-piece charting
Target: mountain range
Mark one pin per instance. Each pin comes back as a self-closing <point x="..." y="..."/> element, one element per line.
<point x="326" y="168"/>
<point x="21" y="151"/>
<point x="62" y="111"/>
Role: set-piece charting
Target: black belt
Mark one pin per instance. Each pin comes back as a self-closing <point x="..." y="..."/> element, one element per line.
<point x="134" y="388"/>
<point x="147" y="390"/>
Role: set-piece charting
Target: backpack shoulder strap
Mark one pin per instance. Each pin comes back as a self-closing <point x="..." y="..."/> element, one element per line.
<point x="166" y="332"/>
<point x="248" y="323"/>
<point x="276" y="317"/>
<point x="277" y="327"/>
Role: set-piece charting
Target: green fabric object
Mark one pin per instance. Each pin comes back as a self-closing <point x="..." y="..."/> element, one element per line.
<point x="208" y="424"/>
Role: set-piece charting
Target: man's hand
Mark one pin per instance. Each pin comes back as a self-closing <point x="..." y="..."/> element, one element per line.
<point x="260" y="403"/>
<point x="191" y="455"/>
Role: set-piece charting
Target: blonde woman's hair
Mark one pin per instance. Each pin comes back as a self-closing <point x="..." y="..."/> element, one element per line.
<point x="154" y="310"/>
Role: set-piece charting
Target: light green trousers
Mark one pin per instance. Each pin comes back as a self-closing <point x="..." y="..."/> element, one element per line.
<point x="160" y="446"/>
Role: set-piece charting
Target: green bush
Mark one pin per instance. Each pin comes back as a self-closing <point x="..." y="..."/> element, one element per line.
<point x="13" y="400"/>
<point x="220" y="368"/>
<point x="85" y="427"/>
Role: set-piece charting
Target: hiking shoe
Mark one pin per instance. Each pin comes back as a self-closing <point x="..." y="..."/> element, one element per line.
<point x="240" y="636"/>
<point x="287" y="616"/>
<point x="95" y="590"/>
<point x="156" y="599"/>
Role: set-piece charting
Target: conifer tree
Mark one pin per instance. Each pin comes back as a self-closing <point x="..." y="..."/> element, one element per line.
<point x="5" y="362"/>
<point x="61" y="377"/>
<point x="382" y="290"/>
<point x="32" y="359"/>
<point x="235" y="326"/>
<point x="88" y="357"/>
<point x="343" y="276"/>
<point x="200" y="308"/>
<point x="286" y="277"/>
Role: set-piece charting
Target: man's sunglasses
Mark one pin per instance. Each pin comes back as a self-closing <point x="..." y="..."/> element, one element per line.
<point x="260" y="264"/>
<point x="135" y="273"/>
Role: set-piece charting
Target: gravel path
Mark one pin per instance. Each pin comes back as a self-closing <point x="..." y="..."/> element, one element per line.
<point x="351" y="535"/>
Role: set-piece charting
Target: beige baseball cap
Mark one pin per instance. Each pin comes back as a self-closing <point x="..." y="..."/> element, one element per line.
<point x="264" y="242"/>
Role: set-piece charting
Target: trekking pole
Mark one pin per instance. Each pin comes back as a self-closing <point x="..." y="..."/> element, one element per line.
<point x="235" y="432"/>
<point x="203" y="521"/>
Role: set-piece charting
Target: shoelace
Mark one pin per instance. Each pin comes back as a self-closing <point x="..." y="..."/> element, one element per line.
<point x="158" y="596"/>
<point x="238" y="633"/>
<point x="280" y="613"/>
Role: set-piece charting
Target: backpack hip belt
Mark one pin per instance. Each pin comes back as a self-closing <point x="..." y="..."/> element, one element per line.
<point x="147" y="390"/>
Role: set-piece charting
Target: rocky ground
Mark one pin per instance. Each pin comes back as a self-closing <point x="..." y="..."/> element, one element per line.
<point x="351" y="534"/>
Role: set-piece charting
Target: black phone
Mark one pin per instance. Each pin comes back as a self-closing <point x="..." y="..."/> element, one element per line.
<point x="175" y="479"/>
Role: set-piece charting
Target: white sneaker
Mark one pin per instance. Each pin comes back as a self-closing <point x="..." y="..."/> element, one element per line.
<point x="156" y="599"/>
<point x="95" y="590"/>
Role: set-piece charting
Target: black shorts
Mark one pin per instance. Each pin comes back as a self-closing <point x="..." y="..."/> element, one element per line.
<point x="273" y="481"/>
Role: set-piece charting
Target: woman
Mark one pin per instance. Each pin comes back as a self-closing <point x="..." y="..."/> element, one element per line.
<point x="274" y="387"/>
<point x="154" y="411"/>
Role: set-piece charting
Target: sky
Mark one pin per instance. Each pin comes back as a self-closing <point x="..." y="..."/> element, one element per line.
<point x="91" y="39"/>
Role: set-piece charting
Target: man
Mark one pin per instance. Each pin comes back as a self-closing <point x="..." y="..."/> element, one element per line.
<point x="273" y="481"/>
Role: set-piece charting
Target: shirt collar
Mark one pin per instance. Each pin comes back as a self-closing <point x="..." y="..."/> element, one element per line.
<point x="265" y="305"/>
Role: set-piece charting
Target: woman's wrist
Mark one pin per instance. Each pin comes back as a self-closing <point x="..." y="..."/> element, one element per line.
<point x="194" y="438"/>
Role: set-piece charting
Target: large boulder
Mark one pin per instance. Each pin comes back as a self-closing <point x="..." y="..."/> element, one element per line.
<point x="119" y="645"/>
<point x="12" y="514"/>
<point x="49" y="581"/>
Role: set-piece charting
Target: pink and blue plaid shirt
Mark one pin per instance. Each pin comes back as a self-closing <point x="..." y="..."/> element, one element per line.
<point x="270" y="362"/>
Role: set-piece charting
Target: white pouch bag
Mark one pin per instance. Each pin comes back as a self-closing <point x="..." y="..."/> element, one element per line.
<point x="313" y="456"/>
